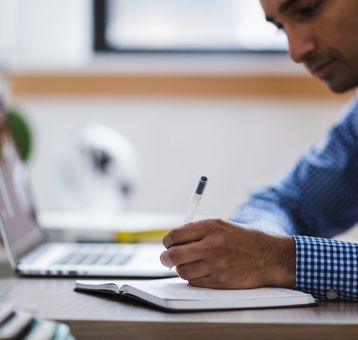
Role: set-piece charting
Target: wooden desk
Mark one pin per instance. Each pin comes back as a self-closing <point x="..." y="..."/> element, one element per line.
<point x="95" y="317"/>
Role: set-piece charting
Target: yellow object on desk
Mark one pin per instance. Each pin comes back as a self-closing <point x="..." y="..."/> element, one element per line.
<point x="139" y="236"/>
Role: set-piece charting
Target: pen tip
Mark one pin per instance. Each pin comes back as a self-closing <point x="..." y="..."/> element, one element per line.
<point x="201" y="185"/>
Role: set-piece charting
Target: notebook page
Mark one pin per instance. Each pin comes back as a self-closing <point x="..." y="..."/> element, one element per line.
<point x="178" y="289"/>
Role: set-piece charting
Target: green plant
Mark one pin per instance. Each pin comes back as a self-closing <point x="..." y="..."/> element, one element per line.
<point x="21" y="132"/>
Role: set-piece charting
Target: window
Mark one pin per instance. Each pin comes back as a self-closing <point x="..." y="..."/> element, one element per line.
<point x="184" y="26"/>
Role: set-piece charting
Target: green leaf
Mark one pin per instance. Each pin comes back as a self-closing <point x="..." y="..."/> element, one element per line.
<point x="21" y="132"/>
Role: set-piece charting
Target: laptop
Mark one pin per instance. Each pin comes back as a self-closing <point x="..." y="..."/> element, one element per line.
<point x="31" y="254"/>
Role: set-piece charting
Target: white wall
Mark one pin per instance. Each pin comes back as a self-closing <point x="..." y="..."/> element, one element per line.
<point x="45" y="32"/>
<point x="237" y="143"/>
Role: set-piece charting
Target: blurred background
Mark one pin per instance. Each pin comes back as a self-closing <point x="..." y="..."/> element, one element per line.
<point x="200" y="87"/>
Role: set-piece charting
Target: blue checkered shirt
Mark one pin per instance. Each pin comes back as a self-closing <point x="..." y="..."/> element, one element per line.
<point x="315" y="201"/>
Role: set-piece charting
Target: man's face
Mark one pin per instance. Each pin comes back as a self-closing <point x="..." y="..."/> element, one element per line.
<point x="322" y="34"/>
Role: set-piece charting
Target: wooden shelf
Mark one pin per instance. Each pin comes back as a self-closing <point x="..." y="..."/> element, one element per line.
<point x="168" y="85"/>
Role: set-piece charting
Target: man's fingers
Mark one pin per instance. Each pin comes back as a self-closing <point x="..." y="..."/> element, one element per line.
<point x="193" y="270"/>
<point x="204" y="282"/>
<point x="181" y="254"/>
<point x="191" y="232"/>
<point x="208" y="282"/>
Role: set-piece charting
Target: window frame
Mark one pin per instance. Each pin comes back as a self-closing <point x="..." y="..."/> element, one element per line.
<point x="100" y="44"/>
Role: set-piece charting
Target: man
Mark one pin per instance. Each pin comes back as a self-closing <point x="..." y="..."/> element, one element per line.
<point x="317" y="198"/>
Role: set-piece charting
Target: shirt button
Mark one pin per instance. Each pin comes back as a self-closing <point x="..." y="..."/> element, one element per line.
<point x="332" y="294"/>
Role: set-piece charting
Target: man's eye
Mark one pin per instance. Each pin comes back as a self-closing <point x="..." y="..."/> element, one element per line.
<point x="310" y="10"/>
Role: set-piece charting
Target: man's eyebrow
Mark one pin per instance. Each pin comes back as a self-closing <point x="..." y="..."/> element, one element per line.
<point x="286" y="5"/>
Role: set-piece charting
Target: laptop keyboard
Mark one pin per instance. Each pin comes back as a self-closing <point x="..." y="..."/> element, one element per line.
<point x="96" y="255"/>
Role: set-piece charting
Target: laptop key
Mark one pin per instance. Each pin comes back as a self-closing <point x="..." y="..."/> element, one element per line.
<point x="120" y="260"/>
<point x="76" y="259"/>
<point x="91" y="259"/>
<point x="72" y="258"/>
<point x="64" y="259"/>
<point x="105" y="259"/>
<point x="92" y="256"/>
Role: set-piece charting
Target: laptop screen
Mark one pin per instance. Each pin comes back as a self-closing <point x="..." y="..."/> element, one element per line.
<point x="19" y="229"/>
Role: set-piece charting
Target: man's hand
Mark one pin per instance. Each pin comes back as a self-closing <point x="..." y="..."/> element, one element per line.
<point x="218" y="254"/>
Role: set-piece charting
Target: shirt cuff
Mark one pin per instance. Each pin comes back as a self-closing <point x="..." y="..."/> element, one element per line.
<point x="327" y="269"/>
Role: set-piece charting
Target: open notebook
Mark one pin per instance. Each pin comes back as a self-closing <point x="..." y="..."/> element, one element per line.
<point x="177" y="294"/>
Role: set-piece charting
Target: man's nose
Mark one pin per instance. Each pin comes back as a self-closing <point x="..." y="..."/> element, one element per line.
<point x="300" y="46"/>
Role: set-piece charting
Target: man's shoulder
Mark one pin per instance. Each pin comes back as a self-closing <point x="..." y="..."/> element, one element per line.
<point x="349" y="118"/>
<point x="352" y="105"/>
<point x="343" y="136"/>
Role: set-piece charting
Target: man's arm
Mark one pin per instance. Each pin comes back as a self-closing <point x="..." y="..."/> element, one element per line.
<point x="219" y="254"/>
<point x="319" y="197"/>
